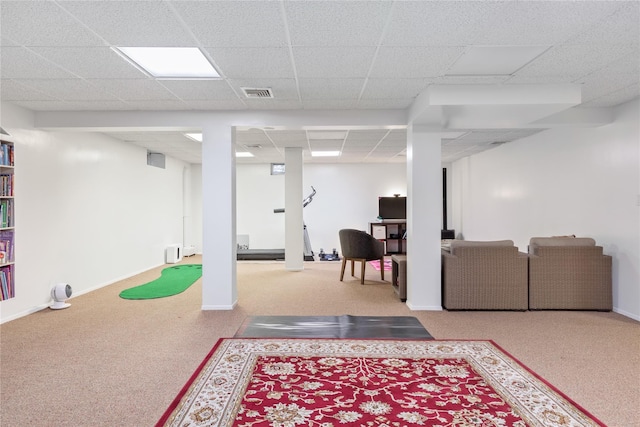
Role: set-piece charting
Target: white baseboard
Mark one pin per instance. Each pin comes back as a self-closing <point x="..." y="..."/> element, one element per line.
<point x="627" y="314"/>
<point x="218" y="307"/>
<point x="423" y="307"/>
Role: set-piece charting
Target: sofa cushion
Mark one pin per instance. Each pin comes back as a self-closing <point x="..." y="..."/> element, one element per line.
<point x="536" y="242"/>
<point x="471" y="243"/>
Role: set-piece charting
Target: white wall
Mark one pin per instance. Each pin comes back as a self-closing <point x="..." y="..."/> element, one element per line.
<point x="89" y="211"/>
<point x="347" y="197"/>
<point x="563" y="181"/>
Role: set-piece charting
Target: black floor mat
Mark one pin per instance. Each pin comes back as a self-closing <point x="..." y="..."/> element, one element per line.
<point x="345" y="326"/>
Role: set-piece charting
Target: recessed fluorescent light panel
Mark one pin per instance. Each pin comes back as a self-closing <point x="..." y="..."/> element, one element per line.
<point x="171" y="62"/>
<point x="195" y="136"/>
<point x="494" y="60"/>
<point x="243" y="154"/>
<point x="325" y="153"/>
<point x="325" y="135"/>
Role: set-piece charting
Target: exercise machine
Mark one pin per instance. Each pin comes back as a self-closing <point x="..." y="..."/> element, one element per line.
<point x="278" y="254"/>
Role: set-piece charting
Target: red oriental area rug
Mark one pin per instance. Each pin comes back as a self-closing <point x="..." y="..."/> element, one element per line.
<point x="336" y="382"/>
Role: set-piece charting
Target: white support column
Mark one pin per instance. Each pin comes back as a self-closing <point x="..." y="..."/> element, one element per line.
<point x="187" y="234"/>
<point x="294" y="226"/>
<point x="424" y="218"/>
<point x="219" y="287"/>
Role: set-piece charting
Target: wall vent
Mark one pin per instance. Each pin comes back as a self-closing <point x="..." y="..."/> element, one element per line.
<point x="155" y="159"/>
<point x="252" y="92"/>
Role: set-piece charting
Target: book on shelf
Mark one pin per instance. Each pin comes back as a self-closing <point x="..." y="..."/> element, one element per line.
<point x="7" y="289"/>
<point x="6" y="213"/>
<point x="6" y="154"/>
<point x="6" y="185"/>
<point x="6" y="244"/>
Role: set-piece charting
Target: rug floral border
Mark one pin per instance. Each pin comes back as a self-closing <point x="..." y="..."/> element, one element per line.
<point x="224" y="374"/>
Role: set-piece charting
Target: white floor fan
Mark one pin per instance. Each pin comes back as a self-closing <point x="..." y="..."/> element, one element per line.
<point x="60" y="293"/>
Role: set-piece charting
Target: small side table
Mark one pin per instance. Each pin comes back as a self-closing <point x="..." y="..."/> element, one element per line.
<point x="399" y="276"/>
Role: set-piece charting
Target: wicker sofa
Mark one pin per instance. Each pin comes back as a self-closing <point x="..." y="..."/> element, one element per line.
<point x="484" y="276"/>
<point x="567" y="273"/>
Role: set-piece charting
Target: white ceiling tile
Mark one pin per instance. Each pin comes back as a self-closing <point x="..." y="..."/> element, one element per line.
<point x="469" y="80"/>
<point x="494" y="60"/>
<point x="333" y="62"/>
<point x="43" y="23"/>
<point x="330" y="88"/>
<point x="328" y="104"/>
<point x="234" y="23"/>
<point x="70" y="89"/>
<point x="21" y="63"/>
<point x="394" y="88"/>
<point x="91" y="62"/>
<point x="133" y="89"/>
<point x="13" y="90"/>
<point x="594" y="87"/>
<point x="576" y="59"/>
<point x="398" y="133"/>
<point x="331" y="23"/>
<point x="414" y="62"/>
<point x="242" y="63"/>
<point x="541" y="22"/>
<point x="4" y="41"/>
<point x="433" y="23"/>
<point x="615" y="98"/>
<point x="367" y="134"/>
<point x="73" y="105"/>
<point x="353" y="150"/>
<point x="326" y="145"/>
<point x="619" y="27"/>
<point x="261" y="152"/>
<point x="199" y="90"/>
<point x="295" y="143"/>
<point x="131" y="23"/>
<point x="287" y="135"/>
<point x="541" y="79"/>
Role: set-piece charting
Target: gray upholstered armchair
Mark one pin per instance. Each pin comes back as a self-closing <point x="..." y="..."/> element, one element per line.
<point x="357" y="245"/>
<point x="568" y="273"/>
<point x="484" y="276"/>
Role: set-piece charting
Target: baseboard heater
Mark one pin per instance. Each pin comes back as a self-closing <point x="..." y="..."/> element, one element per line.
<point x="189" y="251"/>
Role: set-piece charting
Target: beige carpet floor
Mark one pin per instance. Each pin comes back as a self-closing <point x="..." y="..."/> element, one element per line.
<point x="106" y="361"/>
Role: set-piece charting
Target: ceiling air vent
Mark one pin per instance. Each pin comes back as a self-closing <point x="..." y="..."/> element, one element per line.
<point x="252" y="92"/>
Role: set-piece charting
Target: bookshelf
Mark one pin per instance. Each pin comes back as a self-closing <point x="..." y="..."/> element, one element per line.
<point x="7" y="218"/>
<point x="392" y="234"/>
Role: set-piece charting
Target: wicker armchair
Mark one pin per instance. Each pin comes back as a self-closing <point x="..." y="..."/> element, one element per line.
<point x="357" y="245"/>
<point x="568" y="274"/>
<point x="484" y="276"/>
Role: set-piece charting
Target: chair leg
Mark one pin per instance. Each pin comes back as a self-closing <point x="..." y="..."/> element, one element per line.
<point x="352" y="263"/>
<point x="344" y="264"/>
<point x="363" y="262"/>
<point x="382" y="268"/>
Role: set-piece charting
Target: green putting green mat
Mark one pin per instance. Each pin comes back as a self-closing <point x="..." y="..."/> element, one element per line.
<point x="172" y="281"/>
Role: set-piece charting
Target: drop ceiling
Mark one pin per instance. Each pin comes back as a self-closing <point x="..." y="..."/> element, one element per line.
<point x="315" y="55"/>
